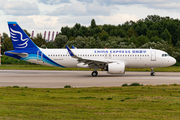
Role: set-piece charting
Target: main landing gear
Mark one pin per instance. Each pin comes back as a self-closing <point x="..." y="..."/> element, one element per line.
<point x="94" y="73"/>
<point x="152" y="72"/>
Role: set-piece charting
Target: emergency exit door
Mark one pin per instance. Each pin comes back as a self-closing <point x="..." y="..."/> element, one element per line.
<point x="107" y="56"/>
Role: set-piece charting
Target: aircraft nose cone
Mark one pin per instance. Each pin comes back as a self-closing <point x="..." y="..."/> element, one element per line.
<point x="173" y="61"/>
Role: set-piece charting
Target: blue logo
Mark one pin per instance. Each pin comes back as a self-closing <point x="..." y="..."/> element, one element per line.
<point x="17" y="36"/>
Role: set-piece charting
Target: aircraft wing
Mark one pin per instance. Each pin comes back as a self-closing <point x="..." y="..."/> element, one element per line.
<point x="89" y="61"/>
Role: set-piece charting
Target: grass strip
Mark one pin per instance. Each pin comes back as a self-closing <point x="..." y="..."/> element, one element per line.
<point x="138" y="103"/>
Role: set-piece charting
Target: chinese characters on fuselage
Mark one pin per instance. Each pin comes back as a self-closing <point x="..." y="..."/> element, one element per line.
<point x="120" y="51"/>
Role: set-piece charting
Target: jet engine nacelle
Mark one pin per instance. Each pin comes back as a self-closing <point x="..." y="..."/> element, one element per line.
<point x="116" y="68"/>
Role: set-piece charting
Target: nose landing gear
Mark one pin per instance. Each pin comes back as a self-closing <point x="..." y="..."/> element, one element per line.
<point x="152" y="72"/>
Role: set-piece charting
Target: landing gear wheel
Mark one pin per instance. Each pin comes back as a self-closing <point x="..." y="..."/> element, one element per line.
<point x="94" y="73"/>
<point x="152" y="72"/>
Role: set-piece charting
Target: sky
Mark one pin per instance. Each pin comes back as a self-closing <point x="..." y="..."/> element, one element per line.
<point x="51" y="15"/>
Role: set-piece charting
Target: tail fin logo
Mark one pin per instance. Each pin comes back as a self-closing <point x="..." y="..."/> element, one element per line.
<point x="17" y="36"/>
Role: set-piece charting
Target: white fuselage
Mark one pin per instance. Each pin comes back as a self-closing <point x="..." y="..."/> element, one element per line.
<point x="133" y="58"/>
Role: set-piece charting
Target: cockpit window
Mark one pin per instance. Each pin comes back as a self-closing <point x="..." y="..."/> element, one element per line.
<point x="165" y="55"/>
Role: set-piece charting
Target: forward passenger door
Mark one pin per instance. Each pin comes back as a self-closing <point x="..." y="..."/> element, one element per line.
<point x="153" y="55"/>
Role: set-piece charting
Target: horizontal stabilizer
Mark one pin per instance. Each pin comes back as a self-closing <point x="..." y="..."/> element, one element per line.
<point x="19" y="54"/>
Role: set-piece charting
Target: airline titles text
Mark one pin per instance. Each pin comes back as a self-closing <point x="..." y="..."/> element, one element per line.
<point x="120" y="51"/>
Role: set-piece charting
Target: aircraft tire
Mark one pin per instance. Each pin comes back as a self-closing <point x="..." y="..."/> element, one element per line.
<point x="153" y="74"/>
<point x="94" y="73"/>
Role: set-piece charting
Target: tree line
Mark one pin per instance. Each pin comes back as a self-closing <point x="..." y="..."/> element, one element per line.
<point x="153" y="31"/>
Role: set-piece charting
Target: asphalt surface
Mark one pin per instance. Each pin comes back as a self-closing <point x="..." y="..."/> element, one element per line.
<point x="58" y="79"/>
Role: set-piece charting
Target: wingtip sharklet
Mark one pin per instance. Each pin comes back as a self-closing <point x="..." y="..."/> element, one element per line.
<point x="70" y="52"/>
<point x="73" y="47"/>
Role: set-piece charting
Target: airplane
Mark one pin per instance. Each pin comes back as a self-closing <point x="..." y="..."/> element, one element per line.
<point x="114" y="61"/>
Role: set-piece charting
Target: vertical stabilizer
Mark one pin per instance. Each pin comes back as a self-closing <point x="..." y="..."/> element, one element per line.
<point x="19" y="38"/>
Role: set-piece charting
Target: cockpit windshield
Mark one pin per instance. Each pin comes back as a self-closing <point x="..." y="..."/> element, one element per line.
<point x="165" y="55"/>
